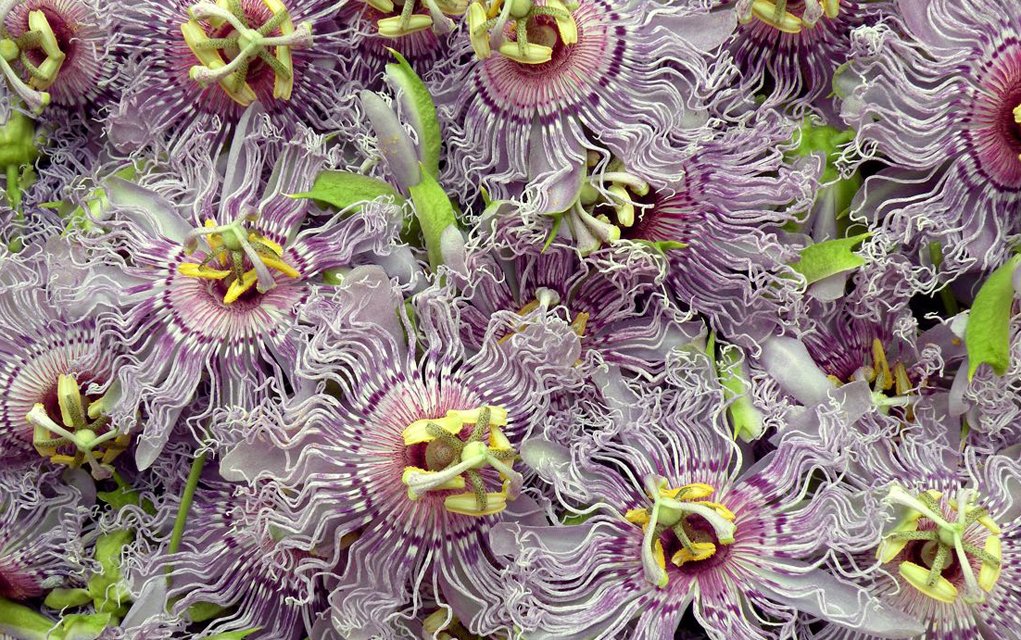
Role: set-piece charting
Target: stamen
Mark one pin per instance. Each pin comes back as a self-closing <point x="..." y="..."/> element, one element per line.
<point x="670" y="509"/>
<point x="232" y="244"/>
<point x="232" y="75"/>
<point x="76" y="430"/>
<point x="471" y="455"/>
<point x="946" y="539"/>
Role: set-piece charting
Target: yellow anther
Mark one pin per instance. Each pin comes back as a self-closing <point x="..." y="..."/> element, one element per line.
<point x="990" y="573"/>
<point x="918" y="577"/>
<point x="383" y="6"/>
<point x="478" y="36"/>
<point x="567" y="27"/>
<point x="831" y="8"/>
<point x="693" y="491"/>
<point x="534" y="53"/>
<point x="236" y="288"/>
<point x="623" y="205"/>
<point x="1017" y="114"/>
<point x="49" y="67"/>
<point x="494" y="9"/>
<point x="637" y="516"/>
<point x="703" y="551"/>
<point x="281" y="266"/>
<point x="835" y="380"/>
<point x="395" y="26"/>
<point x="255" y="237"/>
<point x="900" y="377"/>
<point x="193" y="270"/>
<point x="70" y="461"/>
<point x="884" y="379"/>
<point x="466" y="504"/>
<point x="766" y="11"/>
<point x="658" y="553"/>
<point x="579" y="323"/>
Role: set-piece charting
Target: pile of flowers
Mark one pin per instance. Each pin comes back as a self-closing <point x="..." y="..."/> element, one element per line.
<point x="510" y="319"/>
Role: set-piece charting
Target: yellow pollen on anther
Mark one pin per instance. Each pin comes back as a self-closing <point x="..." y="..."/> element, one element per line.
<point x="270" y="254"/>
<point x="672" y="507"/>
<point x="465" y="458"/>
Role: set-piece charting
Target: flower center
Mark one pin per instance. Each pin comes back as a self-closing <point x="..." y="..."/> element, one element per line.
<point x="610" y="206"/>
<point x="452" y="463"/>
<point x="928" y="544"/>
<point x="546" y="298"/>
<point x="85" y="428"/>
<point x="246" y="258"/>
<point x="39" y="41"/>
<point x="228" y="51"/>
<point x="537" y="28"/>
<point x="671" y="508"/>
<point x="779" y="16"/>
<point x="883" y="378"/>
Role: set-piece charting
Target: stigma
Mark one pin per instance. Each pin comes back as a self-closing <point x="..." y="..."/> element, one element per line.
<point x="453" y="463"/>
<point x="235" y="43"/>
<point x="39" y="37"/>
<point x="928" y="543"/>
<point x="83" y="426"/>
<point x="671" y="508"/>
<point x="230" y="248"/>
<point x="537" y="28"/>
<point x="776" y="14"/>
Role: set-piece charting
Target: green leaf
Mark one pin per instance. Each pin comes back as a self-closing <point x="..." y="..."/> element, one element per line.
<point x="421" y="112"/>
<point x="824" y="259"/>
<point x="63" y="598"/>
<point x="84" y="626"/>
<point x="435" y="214"/>
<point x="987" y="336"/>
<point x="341" y="189"/>
<point x="21" y="622"/>
<point x="234" y="635"/>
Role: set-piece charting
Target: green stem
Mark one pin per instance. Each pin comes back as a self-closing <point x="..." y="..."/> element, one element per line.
<point x="13" y="187"/>
<point x="945" y="294"/>
<point x="186" y="498"/>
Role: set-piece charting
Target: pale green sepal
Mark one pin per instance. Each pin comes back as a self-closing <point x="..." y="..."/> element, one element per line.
<point x="202" y="611"/>
<point x="434" y="213"/>
<point x="824" y="259"/>
<point x="421" y="111"/>
<point x="342" y="189"/>
<point x="106" y="588"/>
<point x="234" y="635"/>
<point x="744" y="416"/>
<point x="84" y="626"/>
<point x="64" y="598"/>
<point x="24" y="623"/>
<point x="987" y="336"/>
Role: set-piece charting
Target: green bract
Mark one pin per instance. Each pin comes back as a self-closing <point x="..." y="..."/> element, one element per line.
<point x="421" y="112"/>
<point x="987" y="337"/>
<point x="342" y="189"/>
<point x="828" y="258"/>
<point x="435" y="213"/>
